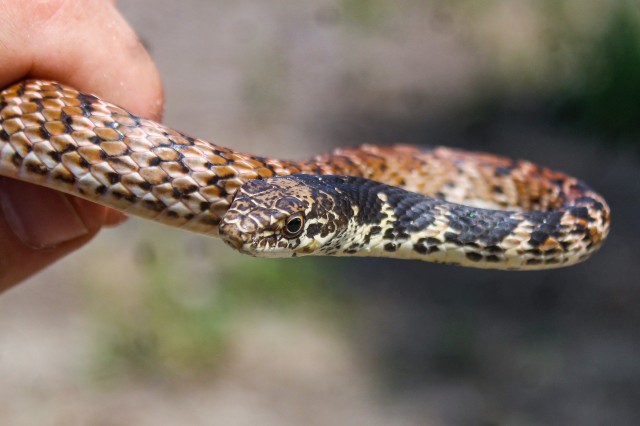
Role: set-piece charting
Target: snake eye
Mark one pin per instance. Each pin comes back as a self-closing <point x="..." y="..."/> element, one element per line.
<point x="294" y="225"/>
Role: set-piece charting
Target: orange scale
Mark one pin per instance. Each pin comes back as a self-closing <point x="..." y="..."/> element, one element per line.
<point x="20" y="143"/>
<point x="92" y="153"/>
<point x="73" y="111"/>
<point x="12" y="125"/>
<point x="107" y="133"/>
<point x="202" y="178"/>
<point x="62" y="143"/>
<point x="173" y="168"/>
<point x="211" y="192"/>
<point x="81" y="123"/>
<point x="114" y="148"/>
<point x="29" y="107"/>
<point x="153" y="175"/>
<point x="143" y="158"/>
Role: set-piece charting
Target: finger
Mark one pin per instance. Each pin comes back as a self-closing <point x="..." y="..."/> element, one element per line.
<point x="86" y="44"/>
<point x="114" y="218"/>
<point x="38" y="226"/>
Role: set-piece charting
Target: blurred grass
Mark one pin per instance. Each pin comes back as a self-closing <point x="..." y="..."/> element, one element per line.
<point x="580" y="60"/>
<point x="176" y="320"/>
<point x="367" y="15"/>
<point x="604" y="92"/>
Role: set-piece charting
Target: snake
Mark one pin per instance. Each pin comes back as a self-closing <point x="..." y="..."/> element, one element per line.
<point x="437" y="204"/>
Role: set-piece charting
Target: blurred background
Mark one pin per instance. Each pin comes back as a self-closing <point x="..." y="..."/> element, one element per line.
<point x="153" y="326"/>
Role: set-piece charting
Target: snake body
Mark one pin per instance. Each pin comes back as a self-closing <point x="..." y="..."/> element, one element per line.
<point x="352" y="216"/>
<point x="55" y="136"/>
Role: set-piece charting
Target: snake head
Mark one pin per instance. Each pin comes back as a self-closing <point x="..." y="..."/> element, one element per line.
<point x="285" y="216"/>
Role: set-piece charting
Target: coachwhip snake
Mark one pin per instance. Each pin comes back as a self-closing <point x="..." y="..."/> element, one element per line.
<point x="437" y="204"/>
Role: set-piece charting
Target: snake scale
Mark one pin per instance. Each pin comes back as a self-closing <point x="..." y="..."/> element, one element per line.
<point x="436" y="204"/>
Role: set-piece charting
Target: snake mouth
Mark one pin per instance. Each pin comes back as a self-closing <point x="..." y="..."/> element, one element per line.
<point x="234" y="243"/>
<point x="231" y="235"/>
<point x="236" y="236"/>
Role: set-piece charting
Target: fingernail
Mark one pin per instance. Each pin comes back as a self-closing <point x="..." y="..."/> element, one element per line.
<point x="40" y="218"/>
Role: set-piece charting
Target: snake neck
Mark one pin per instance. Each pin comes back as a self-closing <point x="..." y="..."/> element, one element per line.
<point x="391" y="222"/>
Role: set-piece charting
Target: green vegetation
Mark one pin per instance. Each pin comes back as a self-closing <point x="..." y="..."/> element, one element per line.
<point x="365" y="14"/>
<point x="177" y="320"/>
<point x="582" y="59"/>
<point x="603" y="93"/>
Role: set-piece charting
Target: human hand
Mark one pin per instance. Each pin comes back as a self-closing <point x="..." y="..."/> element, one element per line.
<point x="87" y="45"/>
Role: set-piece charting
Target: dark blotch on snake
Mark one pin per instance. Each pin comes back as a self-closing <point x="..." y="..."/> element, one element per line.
<point x="580" y="212"/>
<point x="313" y="230"/>
<point x="473" y="256"/>
<point x="16" y="159"/>
<point x="391" y="247"/>
<point x="157" y="206"/>
<point x="112" y="177"/>
<point x="39" y="169"/>
<point x="590" y="201"/>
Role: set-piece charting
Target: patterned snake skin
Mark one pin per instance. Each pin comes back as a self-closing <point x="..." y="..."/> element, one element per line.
<point x="352" y="216"/>
<point x="55" y="136"/>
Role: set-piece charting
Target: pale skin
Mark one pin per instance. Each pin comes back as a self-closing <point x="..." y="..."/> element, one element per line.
<point x="88" y="45"/>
